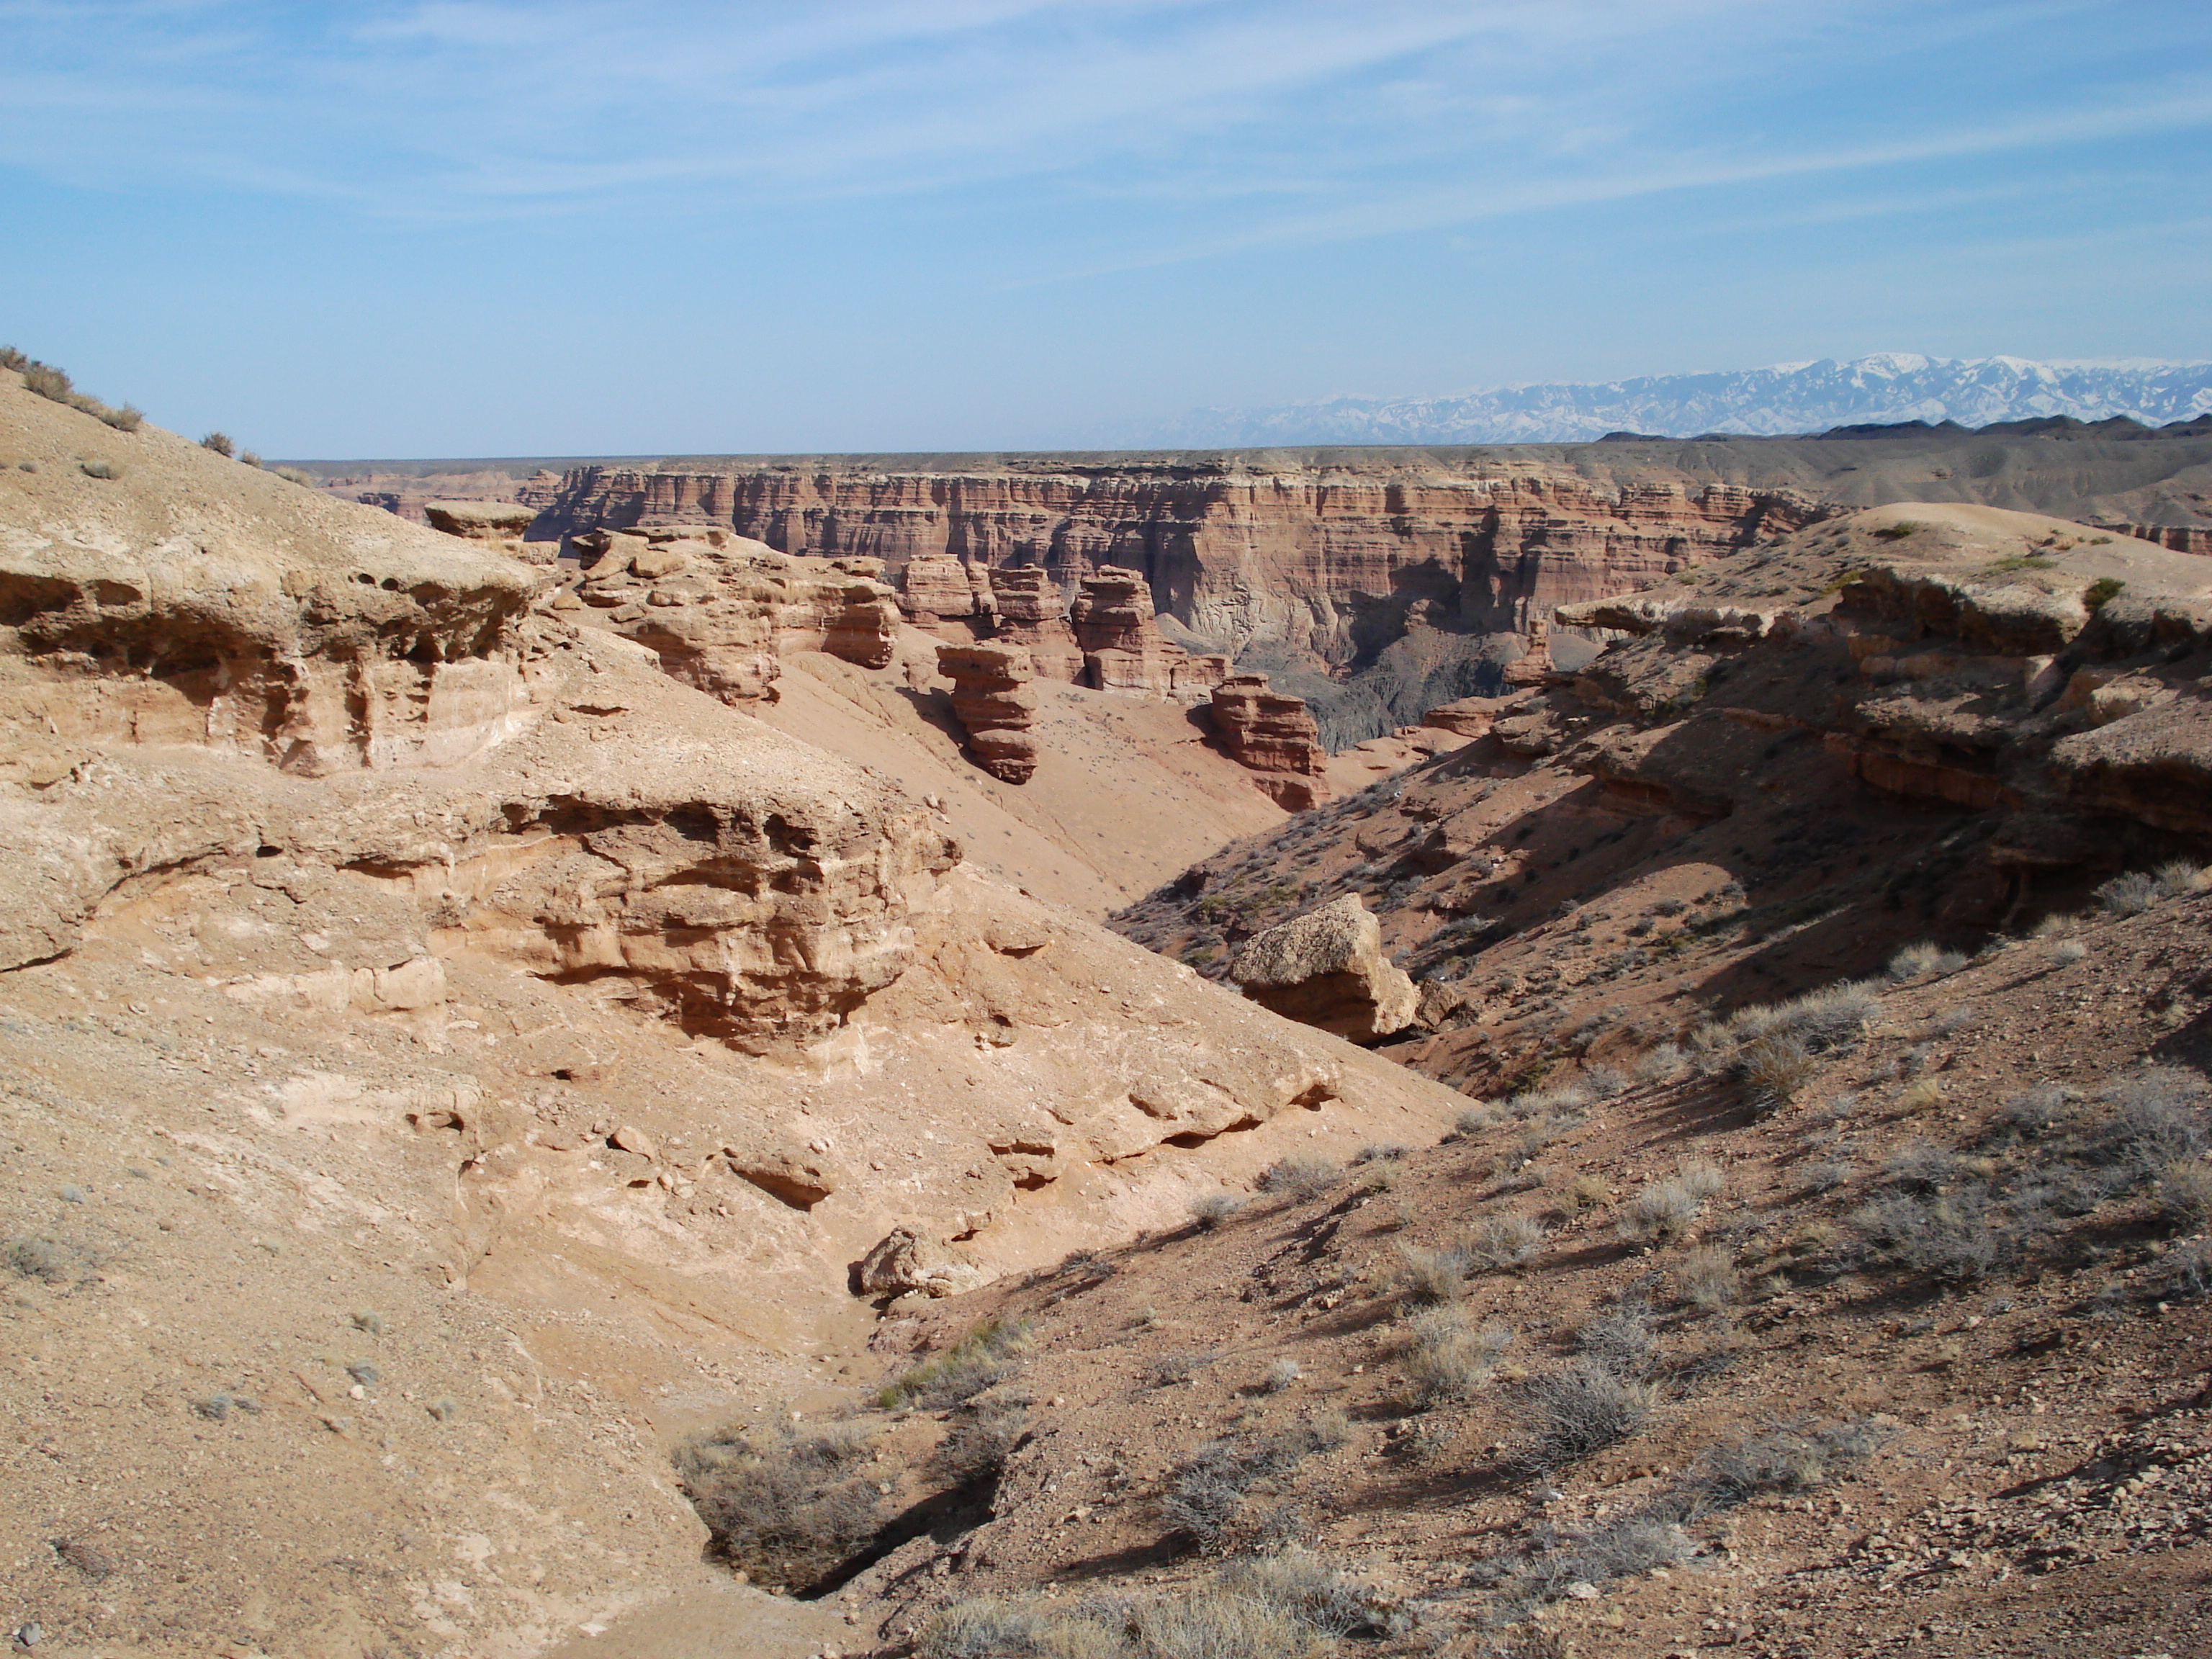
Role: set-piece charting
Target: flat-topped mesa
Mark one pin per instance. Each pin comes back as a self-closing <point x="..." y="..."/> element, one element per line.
<point x="942" y="587"/>
<point x="1033" y="614"/>
<point x="721" y="610"/>
<point x="1271" y="734"/>
<point x="1327" y="969"/>
<point x="995" y="706"/>
<point x="498" y="525"/>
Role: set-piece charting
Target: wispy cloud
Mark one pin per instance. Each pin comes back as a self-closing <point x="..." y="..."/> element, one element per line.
<point x="462" y="105"/>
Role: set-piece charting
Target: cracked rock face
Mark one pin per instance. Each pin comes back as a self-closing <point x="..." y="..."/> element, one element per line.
<point x="1327" y="969"/>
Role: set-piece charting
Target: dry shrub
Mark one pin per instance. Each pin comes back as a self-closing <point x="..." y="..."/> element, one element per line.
<point x="787" y="1508"/>
<point x="1300" y="1177"/>
<point x="100" y="468"/>
<point x="1448" y="1358"/>
<point x="1660" y="1064"/>
<point x="1922" y="958"/>
<point x="1706" y="1278"/>
<point x="1576" y="1410"/>
<point x="1585" y="1191"/>
<point x="2129" y="895"/>
<point x="47" y="380"/>
<point x="1505" y="1241"/>
<point x="2185" y="1194"/>
<point x="1664" y="1209"/>
<point x="980" y="1359"/>
<point x="1211" y="1210"/>
<point x="1427" y="1277"/>
<point x="982" y="1436"/>
<point x="220" y="443"/>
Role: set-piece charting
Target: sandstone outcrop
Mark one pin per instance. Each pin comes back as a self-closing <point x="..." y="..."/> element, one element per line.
<point x="1032" y="613"/>
<point x="995" y="707"/>
<point x="1271" y="734"/>
<point x="1327" y="970"/>
<point x="499" y="525"/>
<point x="1122" y="650"/>
<point x="446" y="1034"/>
<point x="905" y="1261"/>
<point x="940" y="587"/>
<point x="1321" y="550"/>
<point x="722" y="611"/>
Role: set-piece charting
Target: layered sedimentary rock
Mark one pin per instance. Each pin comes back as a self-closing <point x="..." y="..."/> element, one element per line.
<point x="1032" y="613"/>
<point x="1271" y="732"/>
<point x="1327" y="969"/>
<point x="499" y="525"/>
<point x="939" y="587"/>
<point x="1334" y="554"/>
<point x="1122" y="650"/>
<point x="995" y="706"/>
<point x="721" y="611"/>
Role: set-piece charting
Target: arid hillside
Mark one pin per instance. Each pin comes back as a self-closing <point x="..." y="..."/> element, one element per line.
<point x="447" y="1060"/>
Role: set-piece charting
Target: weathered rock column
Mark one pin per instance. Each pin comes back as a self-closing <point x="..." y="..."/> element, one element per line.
<point x="995" y="706"/>
<point x="1271" y="732"/>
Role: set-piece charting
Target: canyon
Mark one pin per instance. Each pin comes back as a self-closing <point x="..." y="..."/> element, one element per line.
<point x="1374" y="582"/>
<point x="510" y="1051"/>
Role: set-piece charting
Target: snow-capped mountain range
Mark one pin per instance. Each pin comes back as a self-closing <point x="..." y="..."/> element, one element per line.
<point x="1786" y="398"/>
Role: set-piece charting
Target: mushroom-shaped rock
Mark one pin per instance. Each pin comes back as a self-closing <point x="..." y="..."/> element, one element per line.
<point x="994" y="705"/>
<point x="1327" y="969"/>
<point x="904" y="1260"/>
<point x="499" y="524"/>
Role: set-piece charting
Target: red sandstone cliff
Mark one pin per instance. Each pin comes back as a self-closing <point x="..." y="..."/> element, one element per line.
<point x="1327" y="557"/>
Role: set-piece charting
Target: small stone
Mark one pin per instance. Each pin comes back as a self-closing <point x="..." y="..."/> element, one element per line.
<point x="633" y="1139"/>
<point x="1582" y="1591"/>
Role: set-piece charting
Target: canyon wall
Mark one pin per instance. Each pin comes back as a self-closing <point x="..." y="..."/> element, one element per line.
<point x="1333" y="559"/>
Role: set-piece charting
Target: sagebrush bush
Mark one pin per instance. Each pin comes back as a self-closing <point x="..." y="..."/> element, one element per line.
<point x="1659" y="1064"/>
<point x="1209" y="1212"/>
<point x="787" y="1509"/>
<point x="1448" y="1358"/>
<point x="1706" y="1278"/>
<point x="1280" y="1375"/>
<point x="126" y="419"/>
<point x="294" y="474"/>
<point x="1774" y="1068"/>
<point x="1604" y="1081"/>
<point x="1954" y="1235"/>
<point x="47" y="382"/>
<point x="100" y="468"/>
<point x="1168" y="1369"/>
<point x="220" y="443"/>
<point x="12" y="358"/>
<point x="984" y="1357"/>
<point x="1427" y="1276"/>
<point x="1923" y="957"/>
<point x="2068" y="952"/>
<point x="2185" y="1193"/>
<point x="979" y="1438"/>
<point x="1664" y="1209"/>
<point x="1204" y="1498"/>
<point x="1621" y="1341"/>
<point x="1302" y="1584"/>
<point x="1379" y="1152"/>
<point x="1576" y="1410"/>
<point x="1505" y="1241"/>
<point x="2147" y="1120"/>
<point x="1300" y="1177"/>
<point x="1584" y="1191"/>
<point x="2129" y="895"/>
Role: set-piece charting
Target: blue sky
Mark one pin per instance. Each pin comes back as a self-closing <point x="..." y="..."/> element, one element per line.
<point x="637" y="227"/>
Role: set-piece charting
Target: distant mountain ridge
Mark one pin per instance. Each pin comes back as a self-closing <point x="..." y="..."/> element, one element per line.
<point x="1782" y="398"/>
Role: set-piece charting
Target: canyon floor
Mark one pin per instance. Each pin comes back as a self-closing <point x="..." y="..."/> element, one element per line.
<point x="506" y="1153"/>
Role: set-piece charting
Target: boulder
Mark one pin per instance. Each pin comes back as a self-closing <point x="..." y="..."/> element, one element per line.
<point x="1327" y="969"/>
<point x="905" y="1261"/>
